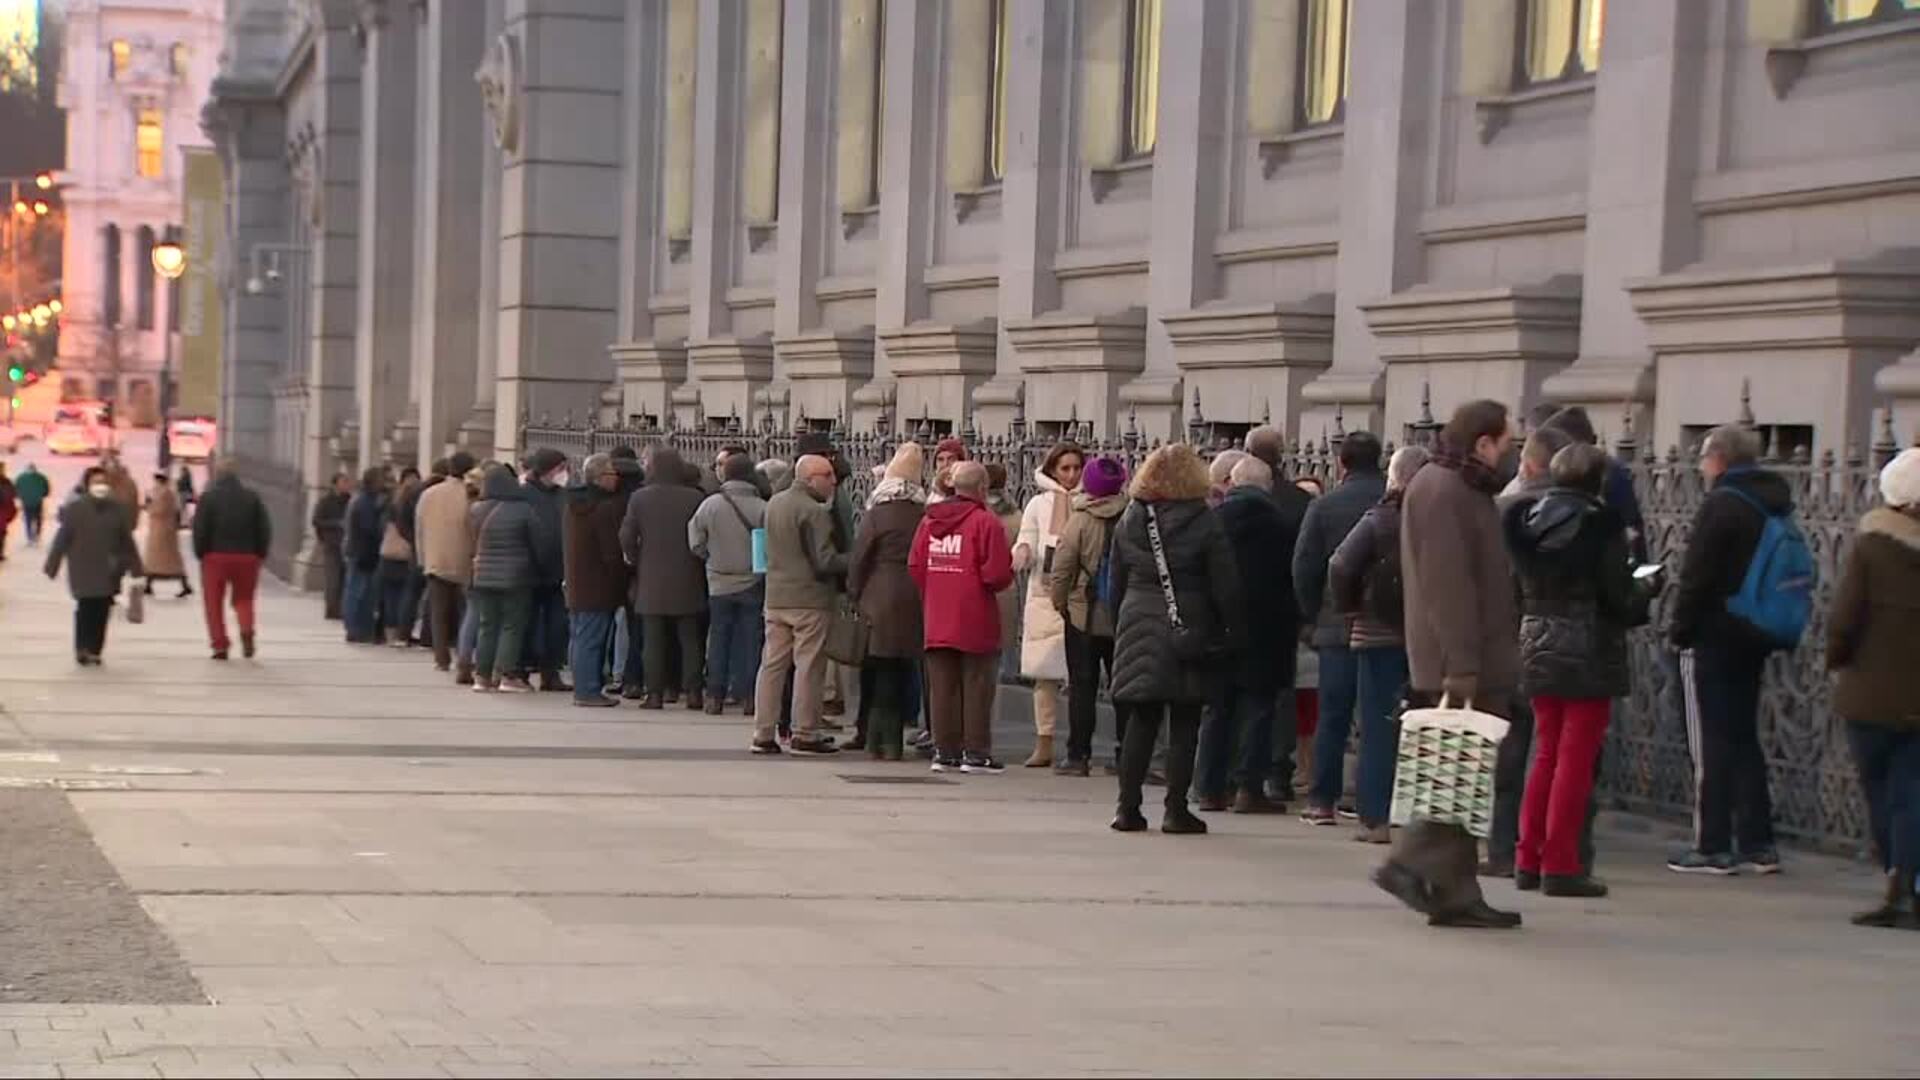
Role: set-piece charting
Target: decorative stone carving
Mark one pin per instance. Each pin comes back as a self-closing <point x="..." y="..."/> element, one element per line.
<point x="500" y="79"/>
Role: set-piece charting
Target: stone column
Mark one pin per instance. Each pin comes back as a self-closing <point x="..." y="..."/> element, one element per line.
<point x="383" y="317"/>
<point x="1640" y="218"/>
<point x="1039" y="169"/>
<point x="906" y="180"/>
<point x="475" y="434"/>
<point x="447" y="242"/>
<point x="1193" y="147"/>
<point x="328" y="172"/>
<point x="806" y="75"/>
<point x="552" y="87"/>
<point x="716" y="157"/>
<point x="1382" y="168"/>
<point x="248" y="129"/>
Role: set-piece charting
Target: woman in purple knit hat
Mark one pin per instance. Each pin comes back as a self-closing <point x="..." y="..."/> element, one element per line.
<point x="1077" y="586"/>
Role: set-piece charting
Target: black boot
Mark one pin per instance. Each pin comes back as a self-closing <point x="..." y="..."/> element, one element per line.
<point x="1577" y="885"/>
<point x="1478" y="915"/>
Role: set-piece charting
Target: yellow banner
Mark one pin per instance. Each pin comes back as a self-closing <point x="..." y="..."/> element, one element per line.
<point x="202" y="317"/>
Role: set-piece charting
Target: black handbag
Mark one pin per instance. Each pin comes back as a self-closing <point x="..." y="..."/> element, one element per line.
<point x="1190" y="645"/>
<point x="847" y="636"/>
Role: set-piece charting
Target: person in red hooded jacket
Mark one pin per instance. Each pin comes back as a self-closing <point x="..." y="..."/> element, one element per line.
<point x="960" y="559"/>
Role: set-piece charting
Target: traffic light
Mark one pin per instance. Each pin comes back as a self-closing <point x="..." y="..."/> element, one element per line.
<point x="15" y="372"/>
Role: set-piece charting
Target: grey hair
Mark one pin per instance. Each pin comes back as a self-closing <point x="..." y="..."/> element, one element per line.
<point x="1250" y="471"/>
<point x="1266" y="443"/>
<point x="1732" y="444"/>
<point x="1221" y="468"/>
<point x="1581" y="466"/>
<point x="1406" y="461"/>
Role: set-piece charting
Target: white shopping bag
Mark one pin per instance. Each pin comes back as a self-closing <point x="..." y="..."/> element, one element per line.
<point x="1444" y="771"/>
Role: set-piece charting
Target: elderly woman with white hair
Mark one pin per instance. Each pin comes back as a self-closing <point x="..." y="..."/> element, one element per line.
<point x="1872" y="635"/>
<point x="1364" y="579"/>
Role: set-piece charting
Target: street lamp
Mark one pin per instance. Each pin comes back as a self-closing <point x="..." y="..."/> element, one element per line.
<point x="169" y="261"/>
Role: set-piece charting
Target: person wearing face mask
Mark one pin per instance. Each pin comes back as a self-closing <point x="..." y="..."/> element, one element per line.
<point x="95" y="542"/>
<point x="545" y="646"/>
<point x="1463" y="644"/>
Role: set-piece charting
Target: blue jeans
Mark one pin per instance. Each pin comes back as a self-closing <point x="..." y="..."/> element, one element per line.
<point x="359" y="603"/>
<point x="1339" y="688"/>
<point x="735" y="628"/>
<point x="1243" y="719"/>
<point x="1383" y="676"/>
<point x="544" y="648"/>
<point x="469" y="632"/>
<point x="1889" y="764"/>
<point x="590" y="630"/>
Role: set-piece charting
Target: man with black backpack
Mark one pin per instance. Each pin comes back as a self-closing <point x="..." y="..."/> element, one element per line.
<point x="1745" y="589"/>
<point x="1080" y="586"/>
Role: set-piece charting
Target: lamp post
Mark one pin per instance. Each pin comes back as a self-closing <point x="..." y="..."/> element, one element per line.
<point x="169" y="261"/>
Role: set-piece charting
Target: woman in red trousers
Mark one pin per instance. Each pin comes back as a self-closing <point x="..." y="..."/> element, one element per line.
<point x="1578" y="601"/>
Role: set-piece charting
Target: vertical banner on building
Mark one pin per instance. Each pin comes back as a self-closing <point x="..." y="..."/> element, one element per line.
<point x="201" y="316"/>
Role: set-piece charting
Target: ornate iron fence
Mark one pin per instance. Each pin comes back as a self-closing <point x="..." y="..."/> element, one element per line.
<point x="1647" y="765"/>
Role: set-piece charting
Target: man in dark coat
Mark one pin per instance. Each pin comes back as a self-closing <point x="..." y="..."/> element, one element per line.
<point x="231" y="537"/>
<point x="329" y="533"/>
<point x="1328" y="521"/>
<point x="545" y="647"/>
<point x="1722" y="659"/>
<point x="627" y="659"/>
<point x="361" y="548"/>
<point x="1267" y="444"/>
<point x="1619" y="494"/>
<point x="1462" y="642"/>
<point x="1242" y="710"/>
<point x="597" y="574"/>
<point x="669" y="585"/>
<point x="95" y="540"/>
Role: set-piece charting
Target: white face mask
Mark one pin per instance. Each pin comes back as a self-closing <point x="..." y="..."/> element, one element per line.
<point x="100" y="490"/>
<point x="558" y="478"/>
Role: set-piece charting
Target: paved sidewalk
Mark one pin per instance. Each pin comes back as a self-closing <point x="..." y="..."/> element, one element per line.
<point x="371" y="873"/>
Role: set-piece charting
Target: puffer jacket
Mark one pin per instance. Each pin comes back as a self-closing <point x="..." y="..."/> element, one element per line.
<point x="1874" y="624"/>
<point x="1577" y="595"/>
<point x="1363" y="578"/>
<point x="506" y="532"/>
<point x="1076" y="563"/>
<point x="1206" y="585"/>
<point x="549" y="553"/>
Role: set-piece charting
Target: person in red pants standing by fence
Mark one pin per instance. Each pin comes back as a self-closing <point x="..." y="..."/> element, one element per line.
<point x="231" y="535"/>
<point x="1578" y="600"/>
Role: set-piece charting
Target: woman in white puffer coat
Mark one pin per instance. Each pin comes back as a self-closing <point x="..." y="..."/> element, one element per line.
<point x="1043" y="633"/>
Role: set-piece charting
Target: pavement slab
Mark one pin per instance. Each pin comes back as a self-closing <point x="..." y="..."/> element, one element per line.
<point x="329" y="861"/>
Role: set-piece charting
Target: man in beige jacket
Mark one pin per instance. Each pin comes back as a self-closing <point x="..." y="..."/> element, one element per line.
<point x="446" y="554"/>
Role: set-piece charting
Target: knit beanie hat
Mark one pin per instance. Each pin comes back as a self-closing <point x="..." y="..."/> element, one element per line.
<point x="1104" y="476"/>
<point x="1900" y="480"/>
<point x="908" y="463"/>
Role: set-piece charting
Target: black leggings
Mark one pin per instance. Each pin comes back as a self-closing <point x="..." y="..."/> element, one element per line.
<point x="1136" y="756"/>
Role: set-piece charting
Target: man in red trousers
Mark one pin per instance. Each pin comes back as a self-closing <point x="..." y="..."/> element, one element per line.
<point x="231" y="534"/>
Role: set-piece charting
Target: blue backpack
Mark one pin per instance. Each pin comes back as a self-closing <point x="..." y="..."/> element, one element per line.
<point x="1776" y="596"/>
<point x="1103" y="583"/>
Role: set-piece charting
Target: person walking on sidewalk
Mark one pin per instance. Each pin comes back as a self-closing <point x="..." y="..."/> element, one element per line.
<point x="1722" y="657"/>
<point x="161" y="552"/>
<point x="1180" y="623"/>
<point x="804" y="570"/>
<point x="506" y="535"/>
<point x="32" y="490"/>
<point x="329" y="535"/>
<point x="1081" y="587"/>
<point x="597" y="576"/>
<point x="231" y="537"/>
<point x="669" y="584"/>
<point x="1578" y="600"/>
<point x="1236" y="741"/>
<point x="883" y="589"/>
<point x="721" y="533"/>
<point x="445" y="546"/>
<point x="1871" y="634"/>
<point x="1043" y="633"/>
<point x="95" y="541"/>
<point x="1328" y="521"/>
<point x="1364" y="579"/>
<point x="1462" y="643"/>
<point x="960" y="560"/>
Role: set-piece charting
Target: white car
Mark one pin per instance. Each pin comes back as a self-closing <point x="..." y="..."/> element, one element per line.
<point x="73" y="431"/>
<point x="191" y="440"/>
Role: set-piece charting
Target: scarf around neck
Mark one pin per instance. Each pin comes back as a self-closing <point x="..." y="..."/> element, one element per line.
<point x="1470" y="468"/>
<point x="896" y="489"/>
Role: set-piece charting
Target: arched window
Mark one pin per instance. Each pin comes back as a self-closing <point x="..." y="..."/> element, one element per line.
<point x="1325" y="55"/>
<point x="1559" y="39"/>
<point x="1143" y="76"/>
<point x="143" y="278"/>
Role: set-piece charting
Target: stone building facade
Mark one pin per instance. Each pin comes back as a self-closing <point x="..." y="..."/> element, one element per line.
<point x="133" y="77"/>
<point x="450" y="214"/>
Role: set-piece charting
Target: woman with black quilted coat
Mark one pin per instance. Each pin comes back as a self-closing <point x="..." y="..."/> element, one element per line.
<point x="1578" y="600"/>
<point x="1159" y="673"/>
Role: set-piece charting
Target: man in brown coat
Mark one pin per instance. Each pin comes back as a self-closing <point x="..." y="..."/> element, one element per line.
<point x="670" y="584"/>
<point x="1462" y="642"/>
<point x="596" y="577"/>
